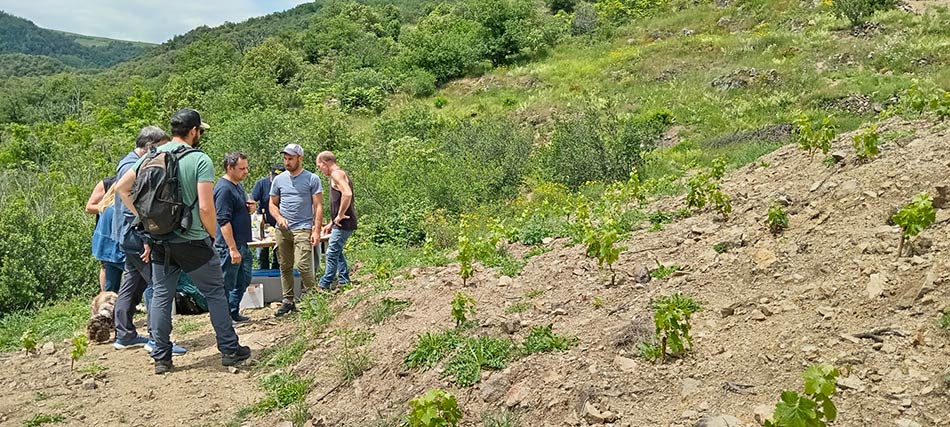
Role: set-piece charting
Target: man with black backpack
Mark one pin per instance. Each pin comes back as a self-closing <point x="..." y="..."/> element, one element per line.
<point x="171" y="192"/>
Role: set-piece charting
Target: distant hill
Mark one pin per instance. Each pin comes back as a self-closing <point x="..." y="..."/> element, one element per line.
<point x="20" y="38"/>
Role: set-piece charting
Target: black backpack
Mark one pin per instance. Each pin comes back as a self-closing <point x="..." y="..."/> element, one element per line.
<point x="156" y="194"/>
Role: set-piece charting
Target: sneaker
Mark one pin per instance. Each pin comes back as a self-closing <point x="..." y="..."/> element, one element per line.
<point x="163" y="366"/>
<point x="134" y="342"/>
<point x="285" y="308"/>
<point x="243" y="353"/>
<point x="240" y="319"/>
<point x="176" y="349"/>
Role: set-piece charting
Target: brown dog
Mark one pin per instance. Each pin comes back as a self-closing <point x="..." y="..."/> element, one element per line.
<point x="101" y="321"/>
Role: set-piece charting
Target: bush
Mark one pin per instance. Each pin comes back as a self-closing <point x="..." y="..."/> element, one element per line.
<point x="363" y="90"/>
<point x="436" y="408"/>
<point x="419" y="83"/>
<point x="600" y="144"/>
<point x="445" y="45"/>
<point x="510" y="27"/>
<point x="619" y="11"/>
<point x="556" y="6"/>
<point x="857" y="11"/>
<point x="585" y="19"/>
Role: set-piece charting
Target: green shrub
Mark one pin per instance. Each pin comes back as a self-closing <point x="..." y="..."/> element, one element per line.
<point x="815" y="407"/>
<point x="436" y="408"/>
<point x="466" y="365"/>
<point x="542" y="339"/>
<point x="445" y="45"/>
<point x="866" y="142"/>
<point x="671" y="316"/>
<point x="914" y="218"/>
<point x="419" y="83"/>
<point x="619" y="11"/>
<point x="556" y="6"/>
<point x="600" y="143"/>
<point x="585" y="19"/>
<point x="430" y="349"/>
<point x="363" y="90"/>
<point x="857" y="11"/>
<point x="815" y="135"/>
<point x="944" y="321"/>
<point x="281" y="390"/>
<point x="777" y="218"/>
<point x="80" y="344"/>
<point x="440" y="102"/>
<point x="463" y="306"/>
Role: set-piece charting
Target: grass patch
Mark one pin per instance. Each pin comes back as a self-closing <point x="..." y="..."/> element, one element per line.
<point x="505" y="263"/>
<point x="542" y="339"/>
<point x="431" y="348"/>
<point x="93" y="369"/>
<point x="944" y="322"/>
<point x="385" y="308"/>
<point x="184" y="325"/>
<point x="41" y="419"/>
<point x="40" y="396"/>
<point x="352" y="360"/>
<point x="535" y="251"/>
<point x="721" y="247"/>
<point x="534" y="293"/>
<point x="286" y="354"/>
<point x="282" y="390"/>
<point x="52" y="323"/>
<point x="663" y="271"/>
<point x="315" y="310"/>
<point x="500" y="419"/>
<point x="520" y="307"/>
<point x="475" y="353"/>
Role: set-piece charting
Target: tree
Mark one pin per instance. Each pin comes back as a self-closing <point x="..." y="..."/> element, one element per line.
<point x="445" y="45"/>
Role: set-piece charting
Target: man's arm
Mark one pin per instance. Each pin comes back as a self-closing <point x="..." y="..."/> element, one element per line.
<point x="124" y="189"/>
<point x="346" y="194"/>
<point x="224" y="215"/>
<point x="275" y="212"/>
<point x="317" y="218"/>
<point x="98" y="192"/>
<point x="206" y="207"/>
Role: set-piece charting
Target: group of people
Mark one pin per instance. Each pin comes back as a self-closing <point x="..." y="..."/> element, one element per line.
<point x="213" y="248"/>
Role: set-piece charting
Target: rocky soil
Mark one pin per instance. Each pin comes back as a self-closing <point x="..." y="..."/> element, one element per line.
<point x="829" y="289"/>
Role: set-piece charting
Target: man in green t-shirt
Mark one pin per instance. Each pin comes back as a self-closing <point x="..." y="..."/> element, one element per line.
<point x="191" y="251"/>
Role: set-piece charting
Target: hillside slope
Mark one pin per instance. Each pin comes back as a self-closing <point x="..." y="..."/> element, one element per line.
<point x="771" y="306"/>
<point x="18" y="35"/>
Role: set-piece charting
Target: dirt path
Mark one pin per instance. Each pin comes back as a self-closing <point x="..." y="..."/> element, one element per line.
<point x="199" y="392"/>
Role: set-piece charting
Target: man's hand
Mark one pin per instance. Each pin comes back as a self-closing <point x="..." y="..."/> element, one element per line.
<point x="235" y="256"/>
<point x="339" y="218"/>
<point x="251" y="206"/>
<point x="315" y="237"/>
<point x="282" y="223"/>
<point x="327" y="228"/>
<point x="146" y="254"/>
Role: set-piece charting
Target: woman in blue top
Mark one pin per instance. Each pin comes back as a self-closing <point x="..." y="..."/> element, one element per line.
<point x="104" y="247"/>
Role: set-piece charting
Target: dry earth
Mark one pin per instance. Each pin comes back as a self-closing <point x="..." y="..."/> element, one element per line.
<point x="772" y="306"/>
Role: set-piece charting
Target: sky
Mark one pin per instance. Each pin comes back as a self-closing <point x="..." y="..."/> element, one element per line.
<point x="139" y="20"/>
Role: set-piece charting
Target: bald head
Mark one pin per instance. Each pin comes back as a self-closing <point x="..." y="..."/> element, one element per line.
<point x="326" y="157"/>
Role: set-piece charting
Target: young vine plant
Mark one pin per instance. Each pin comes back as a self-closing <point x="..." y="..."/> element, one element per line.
<point x="814" y="407"/>
<point x="914" y="218"/>
<point x="814" y="136"/>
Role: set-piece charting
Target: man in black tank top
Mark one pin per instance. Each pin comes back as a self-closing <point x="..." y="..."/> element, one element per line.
<point x="343" y="212"/>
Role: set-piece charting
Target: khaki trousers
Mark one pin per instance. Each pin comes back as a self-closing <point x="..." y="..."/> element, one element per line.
<point x="294" y="251"/>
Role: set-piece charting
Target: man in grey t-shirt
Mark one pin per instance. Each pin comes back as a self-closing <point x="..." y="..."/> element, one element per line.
<point x="296" y="202"/>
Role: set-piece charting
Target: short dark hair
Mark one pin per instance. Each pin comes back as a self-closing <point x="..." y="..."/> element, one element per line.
<point x="150" y="135"/>
<point x="231" y="159"/>
<point x="184" y="120"/>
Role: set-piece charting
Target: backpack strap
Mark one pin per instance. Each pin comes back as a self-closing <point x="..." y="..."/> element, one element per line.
<point x="180" y="153"/>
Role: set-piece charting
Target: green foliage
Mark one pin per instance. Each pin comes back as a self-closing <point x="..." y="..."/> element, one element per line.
<point x="520" y="307"/>
<point x="28" y="341"/>
<point x="556" y="6"/>
<point x="663" y="271"/>
<point x="601" y="244"/>
<point x="942" y="107"/>
<point x="542" y="339"/>
<point x="858" y="11"/>
<point x="315" y="310"/>
<point x="352" y="360"/>
<point x="721" y="247"/>
<point x="671" y="316"/>
<point x="41" y="419"/>
<point x="944" y="321"/>
<point x="431" y="348"/>
<point x="281" y="390"/>
<point x="866" y="142"/>
<point x="93" y="369"/>
<point x="52" y="323"/>
<point x="658" y="218"/>
<point x="474" y="354"/>
<point x="500" y="419"/>
<point x="814" y="408"/>
<point x="777" y="218"/>
<point x="600" y="143"/>
<point x="419" y="83"/>
<point x="462" y="307"/>
<point x="444" y="44"/>
<point x="704" y="190"/>
<point x="585" y="19"/>
<point x="914" y="218"/>
<point x="814" y="136"/>
<point x="435" y="408"/>
<point x="440" y="102"/>
<point x="363" y="90"/>
<point x="386" y="308"/>
<point x="619" y="11"/>
<point x="510" y="27"/>
<point x="285" y="354"/>
<point x="477" y="240"/>
<point x="80" y="344"/>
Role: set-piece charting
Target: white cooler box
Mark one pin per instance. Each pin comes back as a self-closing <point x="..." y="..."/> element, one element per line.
<point x="270" y="282"/>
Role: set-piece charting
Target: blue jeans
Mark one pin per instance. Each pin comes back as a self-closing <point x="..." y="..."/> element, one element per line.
<point x="113" y="275"/>
<point x="237" y="277"/>
<point x="336" y="261"/>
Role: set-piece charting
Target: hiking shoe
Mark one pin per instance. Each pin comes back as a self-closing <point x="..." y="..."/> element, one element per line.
<point x="163" y="366"/>
<point x="176" y="349"/>
<point x="240" y="319"/>
<point x="134" y="342"/>
<point x="285" y="308"/>
<point x="243" y="353"/>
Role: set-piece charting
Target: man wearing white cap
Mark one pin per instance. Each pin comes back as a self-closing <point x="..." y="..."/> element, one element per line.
<point x="296" y="202"/>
